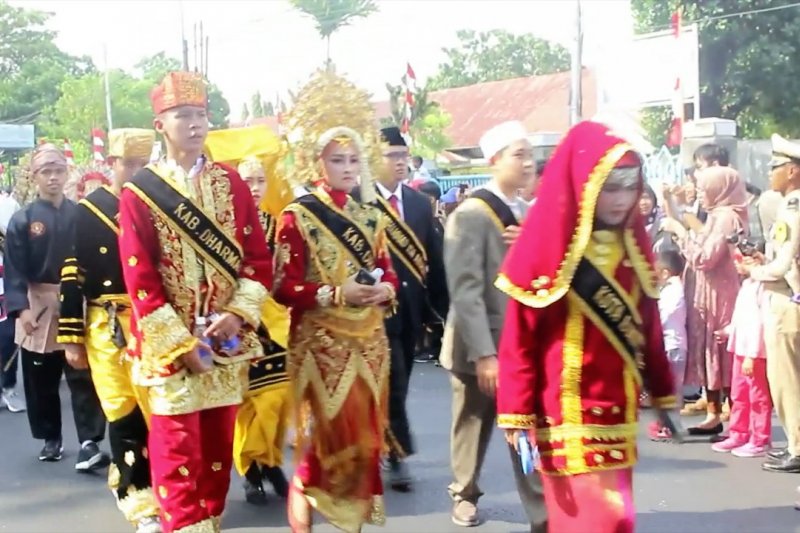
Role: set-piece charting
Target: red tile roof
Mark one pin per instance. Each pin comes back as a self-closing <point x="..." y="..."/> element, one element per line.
<point x="541" y="103"/>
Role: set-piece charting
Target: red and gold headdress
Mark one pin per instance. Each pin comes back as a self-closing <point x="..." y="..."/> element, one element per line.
<point x="539" y="268"/>
<point x="179" y="89"/>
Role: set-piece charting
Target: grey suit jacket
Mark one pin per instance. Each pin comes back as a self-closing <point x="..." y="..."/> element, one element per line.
<point x="473" y="253"/>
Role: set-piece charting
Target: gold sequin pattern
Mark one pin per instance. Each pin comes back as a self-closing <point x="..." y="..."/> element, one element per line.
<point x="185" y="393"/>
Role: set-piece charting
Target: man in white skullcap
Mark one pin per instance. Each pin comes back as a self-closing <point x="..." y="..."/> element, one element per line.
<point x="477" y="236"/>
<point x="780" y="275"/>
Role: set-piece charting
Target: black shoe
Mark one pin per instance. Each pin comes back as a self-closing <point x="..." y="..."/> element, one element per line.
<point x="399" y="477"/>
<point x="790" y="465"/>
<point x="91" y="458"/>
<point x="424" y="357"/>
<point x="254" y="494"/>
<point x="698" y="431"/>
<point x="253" y="488"/>
<point x="52" y="451"/>
<point x="778" y="454"/>
<point x="277" y="479"/>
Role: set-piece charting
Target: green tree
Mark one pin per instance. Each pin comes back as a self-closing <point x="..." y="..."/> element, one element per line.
<point x="269" y="109"/>
<point x="397" y="101"/>
<point x="748" y="67"/>
<point x="245" y="113"/>
<point x="31" y="65"/>
<point x="497" y="55"/>
<point x="429" y="135"/>
<point x="256" y="105"/>
<point x="331" y="15"/>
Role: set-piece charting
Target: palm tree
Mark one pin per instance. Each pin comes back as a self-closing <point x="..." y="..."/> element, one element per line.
<point x="330" y="15"/>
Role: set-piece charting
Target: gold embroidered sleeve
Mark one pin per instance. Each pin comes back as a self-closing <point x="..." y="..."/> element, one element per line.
<point x="247" y="301"/>
<point x="516" y="421"/>
<point x="164" y="337"/>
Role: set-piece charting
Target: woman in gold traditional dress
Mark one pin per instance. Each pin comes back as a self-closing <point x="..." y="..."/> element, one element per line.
<point x="338" y="352"/>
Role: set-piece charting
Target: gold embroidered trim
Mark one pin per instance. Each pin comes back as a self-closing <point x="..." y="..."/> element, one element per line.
<point x="248" y="298"/>
<point x="70" y="339"/>
<point x="587" y="431"/>
<point x="185" y="393"/>
<point x="165" y="337"/>
<point x="580" y="239"/>
<point x="138" y="504"/>
<point x="345" y="514"/>
<point x="628" y="463"/>
<point x="664" y="402"/>
<point x="571" y="411"/>
<point x="377" y="514"/>
<point x="204" y="526"/>
<point x="642" y="267"/>
<point x="608" y="334"/>
<point x="631" y="394"/>
<point x="516" y="421"/>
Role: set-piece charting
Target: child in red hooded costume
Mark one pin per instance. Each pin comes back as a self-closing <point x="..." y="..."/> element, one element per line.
<point x="583" y="331"/>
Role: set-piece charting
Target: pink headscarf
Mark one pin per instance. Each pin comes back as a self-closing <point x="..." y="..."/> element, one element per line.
<point x="723" y="189"/>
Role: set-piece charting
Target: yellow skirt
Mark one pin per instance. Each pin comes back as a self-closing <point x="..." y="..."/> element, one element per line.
<point x="261" y="425"/>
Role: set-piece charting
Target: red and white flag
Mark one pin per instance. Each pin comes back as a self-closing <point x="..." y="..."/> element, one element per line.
<point x="675" y="135"/>
<point x="98" y="145"/>
<point x="68" y="153"/>
<point x="410" y="86"/>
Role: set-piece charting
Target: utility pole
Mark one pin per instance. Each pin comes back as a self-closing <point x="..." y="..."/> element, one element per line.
<point x="576" y="86"/>
<point x="202" y="70"/>
<point x="107" y="88"/>
<point x="184" y="44"/>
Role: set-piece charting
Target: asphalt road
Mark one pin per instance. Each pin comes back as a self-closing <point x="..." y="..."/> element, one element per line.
<point x="685" y="488"/>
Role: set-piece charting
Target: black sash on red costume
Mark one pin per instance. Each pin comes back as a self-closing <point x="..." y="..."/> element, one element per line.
<point x="105" y="206"/>
<point x="403" y="242"/>
<point x="497" y="205"/>
<point x="609" y="311"/>
<point x="184" y="216"/>
<point x="342" y="228"/>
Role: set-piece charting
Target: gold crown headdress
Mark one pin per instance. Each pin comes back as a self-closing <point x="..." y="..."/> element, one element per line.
<point x="326" y="108"/>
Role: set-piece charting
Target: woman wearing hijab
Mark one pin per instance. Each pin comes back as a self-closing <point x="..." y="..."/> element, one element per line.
<point x="716" y="283"/>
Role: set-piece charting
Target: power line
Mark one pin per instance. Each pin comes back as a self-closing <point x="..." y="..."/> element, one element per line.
<point x="731" y="15"/>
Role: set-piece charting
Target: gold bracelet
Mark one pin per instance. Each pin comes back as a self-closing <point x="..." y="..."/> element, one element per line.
<point x="338" y="297"/>
<point x="390" y="288"/>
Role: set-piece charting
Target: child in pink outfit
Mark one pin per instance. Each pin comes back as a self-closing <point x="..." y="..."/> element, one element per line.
<point x="751" y="413"/>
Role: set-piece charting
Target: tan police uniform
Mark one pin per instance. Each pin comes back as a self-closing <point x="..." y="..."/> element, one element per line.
<point x="781" y="278"/>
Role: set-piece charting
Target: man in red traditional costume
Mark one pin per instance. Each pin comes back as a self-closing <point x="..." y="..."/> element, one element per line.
<point x="197" y="271"/>
<point x="583" y="331"/>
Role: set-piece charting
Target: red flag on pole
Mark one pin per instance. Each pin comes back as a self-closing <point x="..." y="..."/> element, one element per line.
<point x="675" y="135"/>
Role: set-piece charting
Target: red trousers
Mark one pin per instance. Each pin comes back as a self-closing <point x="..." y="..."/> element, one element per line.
<point x="190" y="461"/>
<point x="751" y="412"/>
<point x="597" y="502"/>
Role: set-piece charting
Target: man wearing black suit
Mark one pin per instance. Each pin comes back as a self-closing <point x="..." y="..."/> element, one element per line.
<point x="416" y="250"/>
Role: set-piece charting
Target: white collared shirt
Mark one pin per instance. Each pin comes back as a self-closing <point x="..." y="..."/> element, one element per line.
<point x="182" y="178"/>
<point x="672" y="308"/>
<point x="398" y="192"/>
<point x="512" y="203"/>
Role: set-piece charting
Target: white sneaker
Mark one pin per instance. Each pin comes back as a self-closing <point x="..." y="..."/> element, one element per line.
<point x="151" y="524"/>
<point x="13" y="402"/>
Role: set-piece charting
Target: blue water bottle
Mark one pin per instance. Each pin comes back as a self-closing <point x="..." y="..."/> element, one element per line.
<point x="227" y="346"/>
<point x="526" y="453"/>
<point x="199" y="328"/>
